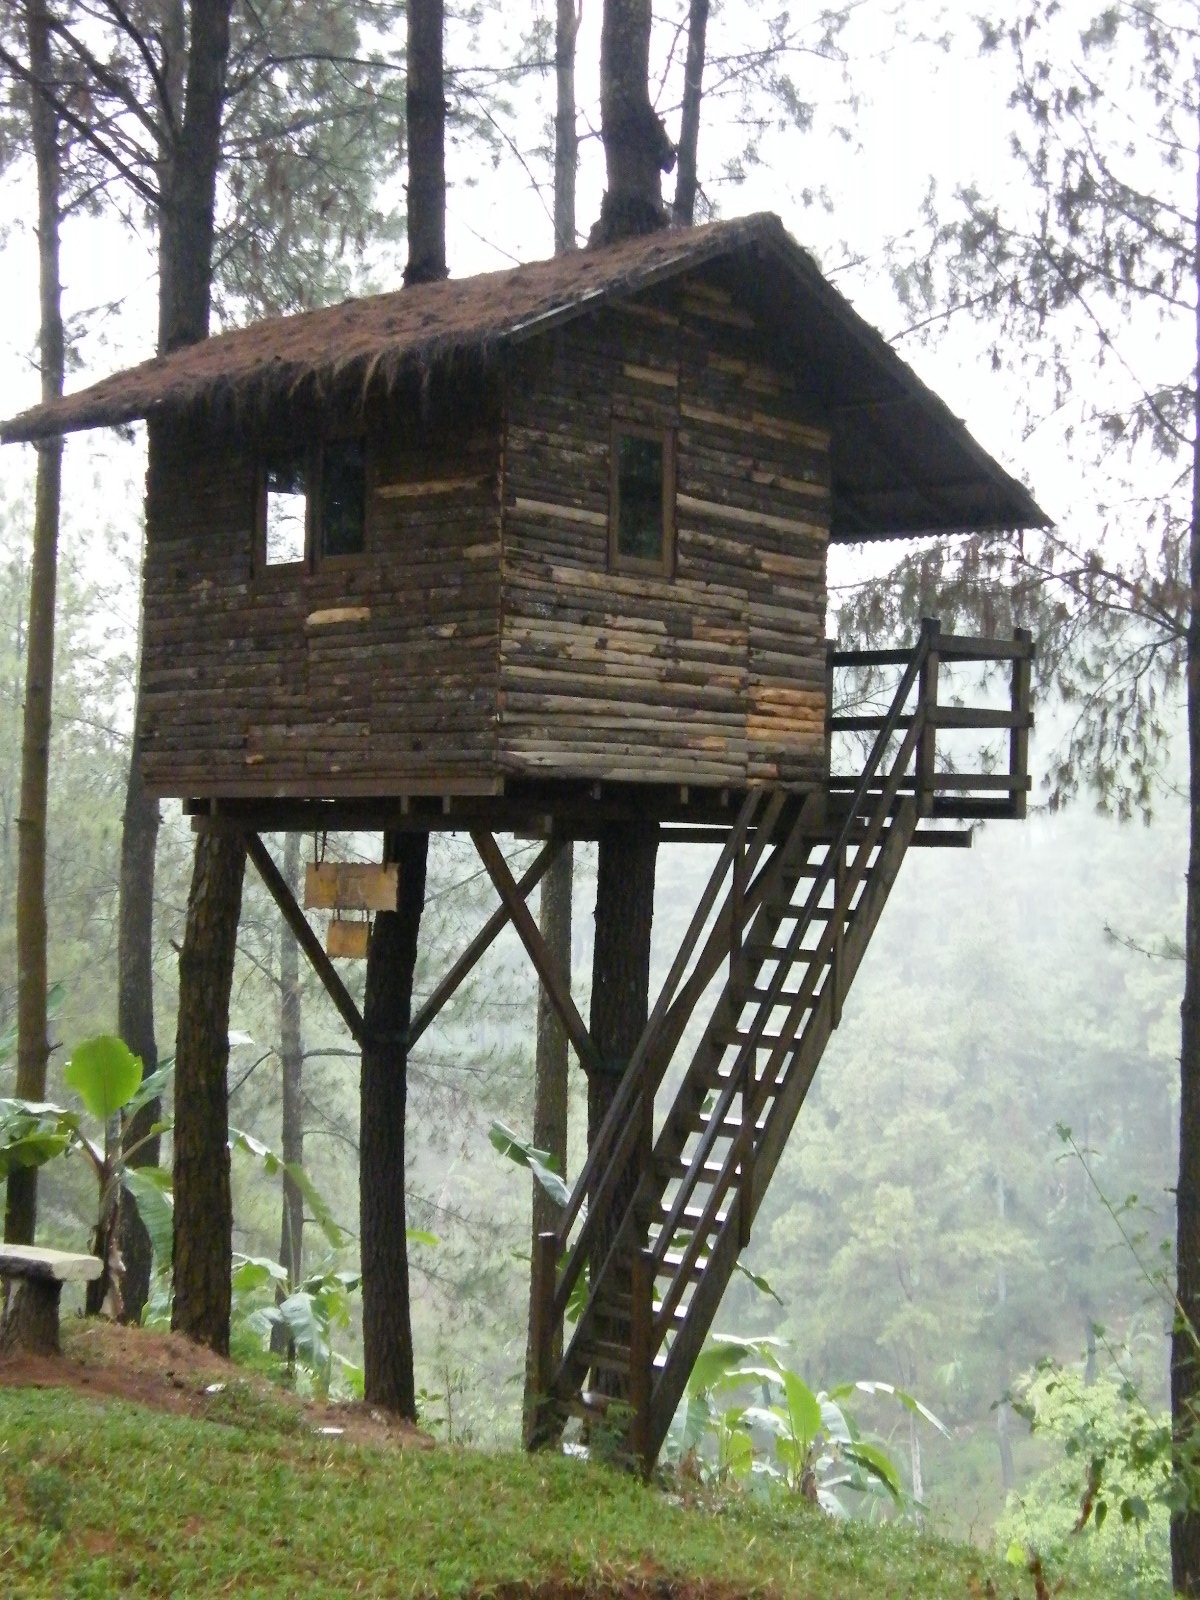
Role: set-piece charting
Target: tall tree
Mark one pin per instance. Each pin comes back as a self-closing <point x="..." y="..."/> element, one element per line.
<point x="551" y="1081"/>
<point x="425" y="99"/>
<point x="392" y="958"/>
<point x="568" y="17"/>
<point x="636" y="149"/>
<point x="33" y="1045"/>
<point x="1107" y="248"/>
<point x="683" y="208"/>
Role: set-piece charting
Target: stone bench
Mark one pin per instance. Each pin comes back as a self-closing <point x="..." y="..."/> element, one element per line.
<point x="32" y="1280"/>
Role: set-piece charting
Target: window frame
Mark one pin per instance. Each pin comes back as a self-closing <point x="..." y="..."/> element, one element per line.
<point x="313" y="560"/>
<point x="664" y="567"/>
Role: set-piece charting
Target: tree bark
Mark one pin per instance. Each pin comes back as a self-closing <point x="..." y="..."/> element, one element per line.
<point x="425" y="105"/>
<point x="1185" y="1341"/>
<point x="141" y="816"/>
<point x="33" y="1044"/>
<point x="203" y="1206"/>
<point x="387" y="1011"/>
<point x="291" y="1060"/>
<point x="684" y="208"/>
<point x="203" y="1215"/>
<point x="566" y="139"/>
<point x="550" y="1083"/>
<point x="636" y="148"/>
<point x="620" y="998"/>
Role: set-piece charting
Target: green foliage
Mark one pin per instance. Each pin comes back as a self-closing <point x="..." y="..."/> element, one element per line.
<point x="105" y="1074"/>
<point x="741" y="1392"/>
<point x="1102" y="1508"/>
<point x="541" y="1163"/>
<point x="265" y="1499"/>
<point x="311" y="1312"/>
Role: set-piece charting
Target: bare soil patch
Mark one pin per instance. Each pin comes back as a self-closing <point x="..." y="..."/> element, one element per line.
<point x="168" y="1372"/>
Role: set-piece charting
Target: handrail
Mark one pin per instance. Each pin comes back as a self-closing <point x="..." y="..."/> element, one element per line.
<point x="821" y="881"/>
<point x="621" y="1102"/>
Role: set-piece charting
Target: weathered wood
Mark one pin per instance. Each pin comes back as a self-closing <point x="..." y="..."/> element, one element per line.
<point x="350" y="886"/>
<point x="305" y="937"/>
<point x="482" y="941"/>
<point x="530" y="936"/>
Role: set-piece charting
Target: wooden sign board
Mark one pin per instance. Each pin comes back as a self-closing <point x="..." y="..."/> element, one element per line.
<point x="347" y="939"/>
<point x="350" y="886"/>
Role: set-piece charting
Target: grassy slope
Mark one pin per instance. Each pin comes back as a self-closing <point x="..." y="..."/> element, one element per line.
<point x="106" y="1499"/>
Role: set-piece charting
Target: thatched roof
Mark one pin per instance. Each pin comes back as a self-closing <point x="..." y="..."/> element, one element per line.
<point x="902" y="462"/>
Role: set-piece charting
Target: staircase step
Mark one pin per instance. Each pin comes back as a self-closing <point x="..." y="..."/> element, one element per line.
<point x="606" y="1355"/>
<point x="709" y="1172"/>
<point x="691" y="1217"/>
<point x="673" y="1261"/>
<point x="613" y="1307"/>
<point x="785" y="997"/>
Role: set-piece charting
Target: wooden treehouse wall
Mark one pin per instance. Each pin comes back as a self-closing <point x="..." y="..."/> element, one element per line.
<point x="714" y="675"/>
<point x="371" y="676"/>
<point x="482" y="634"/>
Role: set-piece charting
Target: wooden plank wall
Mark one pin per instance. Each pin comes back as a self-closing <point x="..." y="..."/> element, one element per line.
<point x="374" y="676"/>
<point x="714" y="676"/>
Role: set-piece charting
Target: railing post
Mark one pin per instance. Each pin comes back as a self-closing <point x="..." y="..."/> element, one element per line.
<point x="829" y="651"/>
<point x="641" y="1356"/>
<point x="839" y="929"/>
<point x="927" y="694"/>
<point x="1018" y="739"/>
<point x="541" y="1338"/>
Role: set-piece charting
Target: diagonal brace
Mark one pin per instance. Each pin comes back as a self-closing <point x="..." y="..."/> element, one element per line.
<point x="305" y="937"/>
<point x="483" y="941"/>
<point x="530" y="936"/>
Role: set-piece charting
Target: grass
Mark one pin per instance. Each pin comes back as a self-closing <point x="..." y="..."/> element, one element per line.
<point x="106" y="1499"/>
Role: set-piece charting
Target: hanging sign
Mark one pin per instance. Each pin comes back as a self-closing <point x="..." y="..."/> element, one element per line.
<point x="347" y="939"/>
<point x="350" y="886"/>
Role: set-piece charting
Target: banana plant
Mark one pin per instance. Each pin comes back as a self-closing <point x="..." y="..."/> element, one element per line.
<point x="742" y="1390"/>
<point x="107" y="1077"/>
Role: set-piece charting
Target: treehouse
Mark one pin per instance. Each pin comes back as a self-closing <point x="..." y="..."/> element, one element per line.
<point x="545" y="550"/>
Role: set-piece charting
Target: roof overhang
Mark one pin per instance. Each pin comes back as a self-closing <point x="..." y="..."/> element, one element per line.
<point x="902" y="463"/>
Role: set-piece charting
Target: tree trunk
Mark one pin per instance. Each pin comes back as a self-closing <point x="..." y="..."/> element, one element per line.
<point x="620" y="996"/>
<point x="33" y="1044"/>
<point x="550" y="1084"/>
<point x="566" y="140"/>
<point x="387" y="1011"/>
<point x="135" y="1008"/>
<point x="636" y="148"/>
<point x="1185" y="1341"/>
<point x="425" y="105"/>
<point x="684" y="208"/>
<point x="203" y="1207"/>
<point x="291" y="1060"/>
<point x="141" y="817"/>
<point x="203" y="1215"/>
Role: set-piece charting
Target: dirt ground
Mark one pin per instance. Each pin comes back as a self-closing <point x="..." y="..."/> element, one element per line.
<point x="167" y="1372"/>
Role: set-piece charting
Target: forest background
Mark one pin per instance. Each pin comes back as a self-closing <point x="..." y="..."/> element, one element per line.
<point x="927" y="1226"/>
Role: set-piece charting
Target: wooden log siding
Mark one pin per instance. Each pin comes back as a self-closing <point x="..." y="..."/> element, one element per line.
<point x="362" y="678"/>
<point x="715" y="676"/>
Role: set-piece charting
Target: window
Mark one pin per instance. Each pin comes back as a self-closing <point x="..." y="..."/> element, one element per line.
<point x="285" y="512"/>
<point x="313" y="501"/>
<point x="343" y="478"/>
<point x="641" y="536"/>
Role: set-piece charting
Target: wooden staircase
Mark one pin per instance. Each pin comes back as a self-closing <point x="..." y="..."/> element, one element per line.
<point x="805" y="881"/>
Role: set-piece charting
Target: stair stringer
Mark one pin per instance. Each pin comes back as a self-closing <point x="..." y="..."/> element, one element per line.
<point x="670" y="1380"/>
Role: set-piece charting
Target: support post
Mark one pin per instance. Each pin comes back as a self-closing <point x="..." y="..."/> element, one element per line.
<point x="1018" y="739"/>
<point x="927" y="695"/>
<point x="539" y="1428"/>
<point x="641" y="1357"/>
